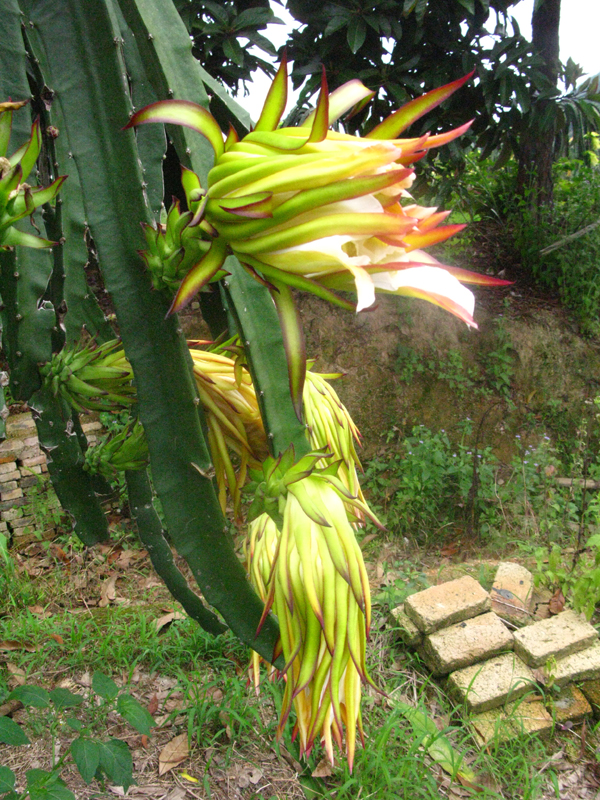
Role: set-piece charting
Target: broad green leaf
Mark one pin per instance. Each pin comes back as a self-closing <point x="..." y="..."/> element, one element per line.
<point x="116" y="762"/>
<point x="86" y="755"/>
<point x="104" y="686"/>
<point x="63" y="698"/>
<point x="11" y="733"/>
<point x="33" y="696"/>
<point x="57" y="792"/>
<point x="7" y="780"/>
<point x="74" y="724"/>
<point x="357" y="33"/>
<point x="135" y="714"/>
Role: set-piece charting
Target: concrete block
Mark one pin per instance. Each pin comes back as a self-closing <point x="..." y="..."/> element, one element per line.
<point x="11" y="514"/>
<point x="8" y="466"/>
<point x="492" y="683"/>
<point x="406" y="631"/>
<point x="447" y="603"/>
<point x="581" y="666"/>
<point x="591" y="690"/>
<point x="9" y="477"/>
<point x="557" y="637"/>
<point x="33" y="462"/>
<point x="466" y="643"/>
<point x="512" y="593"/>
<point x="13" y="494"/>
<point x="571" y="705"/>
<point x="520" y="718"/>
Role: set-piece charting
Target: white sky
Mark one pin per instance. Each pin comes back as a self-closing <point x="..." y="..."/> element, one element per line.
<point x="579" y="27"/>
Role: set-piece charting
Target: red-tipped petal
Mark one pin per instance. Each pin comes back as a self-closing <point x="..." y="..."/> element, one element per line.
<point x="182" y="112"/>
<point x="443" y="138"/>
<point x="401" y="119"/>
<point x="433" y="221"/>
<point x="200" y="274"/>
<point x="276" y="100"/>
<point x="416" y="240"/>
<point x="232" y="137"/>
<point x="321" y="121"/>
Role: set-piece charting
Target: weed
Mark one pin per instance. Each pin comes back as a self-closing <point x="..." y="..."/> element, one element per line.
<point x="59" y="709"/>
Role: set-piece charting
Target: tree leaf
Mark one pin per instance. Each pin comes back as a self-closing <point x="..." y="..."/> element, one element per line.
<point x="104" y="686"/>
<point x="357" y="33"/>
<point x="116" y="762"/>
<point x="86" y="755"/>
<point x="135" y="714"/>
<point x="176" y="751"/>
<point x="33" y="696"/>
<point x="63" y="698"/>
<point x="11" y="733"/>
<point x="7" y="780"/>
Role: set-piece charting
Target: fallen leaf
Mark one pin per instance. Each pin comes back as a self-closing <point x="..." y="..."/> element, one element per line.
<point x="10" y="644"/>
<point x="37" y="610"/>
<point x="557" y="602"/>
<point x="18" y="677"/>
<point x="167" y="619"/>
<point x="152" y="706"/>
<point x="112" y="557"/>
<point x="189" y="778"/>
<point x="323" y="769"/>
<point x="248" y="775"/>
<point x="108" y="591"/>
<point x="172" y="754"/>
<point x="58" y="639"/>
<point x="225" y="720"/>
<point x="176" y="794"/>
<point x="145" y="741"/>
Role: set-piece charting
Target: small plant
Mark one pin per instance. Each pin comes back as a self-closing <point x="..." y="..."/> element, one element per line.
<point x="578" y="578"/>
<point x="95" y="759"/>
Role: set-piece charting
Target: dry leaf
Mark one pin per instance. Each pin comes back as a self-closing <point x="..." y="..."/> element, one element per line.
<point x="58" y="639"/>
<point x="557" y="602"/>
<point x="323" y="769"/>
<point x="167" y="619"/>
<point x="108" y="591"/>
<point x="145" y="741"/>
<point x="152" y="706"/>
<point x="10" y="644"/>
<point x="176" y="751"/>
<point x="225" y="719"/>
<point x="37" y="610"/>
<point x="366" y="539"/>
<point x="18" y="677"/>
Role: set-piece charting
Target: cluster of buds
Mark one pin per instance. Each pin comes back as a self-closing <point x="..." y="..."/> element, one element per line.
<point x="91" y="377"/>
<point x="17" y="198"/>
<point x="233" y="420"/>
<point x="119" y="452"/>
<point x="306" y="565"/>
<point x="320" y="210"/>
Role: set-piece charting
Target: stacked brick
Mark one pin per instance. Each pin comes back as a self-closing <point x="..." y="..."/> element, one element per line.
<point x="26" y="495"/>
<point x="498" y="673"/>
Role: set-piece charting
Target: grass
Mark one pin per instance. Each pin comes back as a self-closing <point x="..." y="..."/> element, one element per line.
<point x="205" y="694"/>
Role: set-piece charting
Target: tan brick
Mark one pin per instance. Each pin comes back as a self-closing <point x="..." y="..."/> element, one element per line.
<point x="87" y="427"/>
<point x="581" y="666"/>
<point x="512" y="592"/>
<point x="447" y="603"/>
<point x="8" y="486"/>
<point x="491" y="683"/>
<point x="521" y="718"/>
<point x="20" y="425"/>
<point x="33" y="462"/>
<point x="9" y="477"/>
<point x="570" y="705"/>
<point x="591" y="690"/>
<point x="557" y="637"/>
<point x="31" y="441"/>
<point x="12" y="495"/>
<point x="11" y="514"/>
<point x="34" y="470"/>
<point x="23" y="522"/>
<point x="8" y="466"/>
<point x="405" y="630"/>
<point x="28" y="453"/>
<point x="44" y="468"/>
<point x="466" y="643"/>
<point x="11" y="447"/>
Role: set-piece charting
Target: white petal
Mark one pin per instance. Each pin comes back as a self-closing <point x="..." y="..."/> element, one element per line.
<point x="427" y="279"/>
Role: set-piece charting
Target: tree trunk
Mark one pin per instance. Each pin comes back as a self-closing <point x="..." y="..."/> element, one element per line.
<point x="536" y="154"/>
